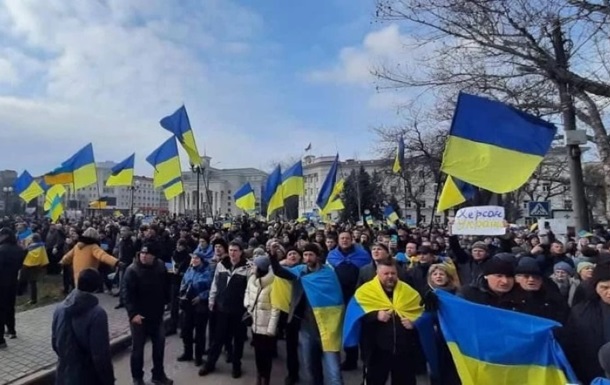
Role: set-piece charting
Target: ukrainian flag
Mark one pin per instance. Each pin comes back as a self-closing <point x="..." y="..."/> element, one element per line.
<point x="400" y="157"/>
<point x="244" y="198"/>
<point x="178" y="123"/>
<point x="501" y="347"/>
<point x="54" y="191"/>
<point x="390" y="215"/>
<point x="166" y="162"/>
<point x="27" y="188"/>
<point x="292" y="181"/>
<point x="328" y="185"/>
<point x="334" y="202"/>
<point x="600" y="381"/>
<point x="56" y="209"/>
<point x="61" y="175"/>
<point x="122" y="173"/>
<point x="325" y="297"/>
<point x="100" y="203"/>
<point x="173" y="188"/>
<point x="455" y="192"/>
<point x="82" y="166"/>
<point x="494" y="146"/>
<point x="272" y="193"/>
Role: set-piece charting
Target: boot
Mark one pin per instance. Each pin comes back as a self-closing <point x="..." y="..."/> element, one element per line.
<point x="236" y="373"/>
<point x="187" y="355"/>
<point x="259" y="380"/>
<point x="264" y="381"/>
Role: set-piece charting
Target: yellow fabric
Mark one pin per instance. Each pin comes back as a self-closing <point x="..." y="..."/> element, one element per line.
<point x="173" y="190"/>
<point x="405" y="300"/>
<point x="281" y="291"/>
<point x="166" y="172"/>
<point x="52" y="192"/>
<point x="123" y="178"/>
<point x="36" y="257"/>
<point x="451" y="196"/>
<point x="490" y="167"/>
<point x="330" y="322"/>
<point x="334" y="201"/>
<point x="85" y="176"/>
<point x="83" y="256"/>
<point x="190" y="146"/>
<point x="475" y="372"/>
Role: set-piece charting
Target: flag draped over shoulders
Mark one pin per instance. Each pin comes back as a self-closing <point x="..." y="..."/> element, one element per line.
<point x="36" y="256"/>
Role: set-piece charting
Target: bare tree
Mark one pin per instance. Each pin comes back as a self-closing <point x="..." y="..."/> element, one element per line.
<point x="509" y="50"/>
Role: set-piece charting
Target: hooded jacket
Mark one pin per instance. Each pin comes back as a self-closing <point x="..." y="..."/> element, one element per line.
<point x="86" y="254"/>
<point x="80" y="338"/>
<point x="11" y="259"/>
<point x="258" y="303"/>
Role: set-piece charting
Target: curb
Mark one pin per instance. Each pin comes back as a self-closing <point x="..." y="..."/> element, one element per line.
<point x="46" y="375"/>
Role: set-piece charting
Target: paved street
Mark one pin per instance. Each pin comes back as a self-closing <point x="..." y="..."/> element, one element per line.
<point x="186" y="373"/>
<point x="31" y="352"/>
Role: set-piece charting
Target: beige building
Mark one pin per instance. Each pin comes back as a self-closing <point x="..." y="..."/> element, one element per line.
<point x="216" y="189"/>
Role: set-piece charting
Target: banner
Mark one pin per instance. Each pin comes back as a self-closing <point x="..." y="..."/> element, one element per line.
<point x="479" y="220"/>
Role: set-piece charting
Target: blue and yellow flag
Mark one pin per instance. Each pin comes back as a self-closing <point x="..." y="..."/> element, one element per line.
<point x="272" y="193"/>
<point x="122" y="173"/>
<point x="166" y="162"/>
<point x="61" y="175"/>
<point x="244" y="198"/>
<point x="455" y="192"/>
<point x="494" y="146"/>
<point x="329" y="184"/>
<point x="54" y="191"/>
<point x="390" y="215"/>
<point x="36" y="256"/>
<point x="292" y="181"/>
<point x="325" y="297"/>
<point x="600" y="381"/>
<point x="501" y="347"/>
<point x="173" y="188"/>
<point x="27" y="188"/>
<point x="178" y="123"/>
<point x="400" y="156"/>
<point x="56" y="209"/>
<point x="82" y="166"/>
<point x="335" y="203"/>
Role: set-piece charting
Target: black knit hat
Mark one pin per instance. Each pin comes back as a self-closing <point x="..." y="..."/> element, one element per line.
<point x="312" y="247"/>
<point x="498" y="266"/>
<point x="601" y="273"/>
<point x="222" y="242"/>
<point x="529" y="266"/>
<point x="89" y="280"/>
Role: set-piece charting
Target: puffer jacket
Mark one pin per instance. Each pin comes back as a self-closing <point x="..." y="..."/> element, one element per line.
<point x="87" y="254"/>
<point x="264" y="316"/>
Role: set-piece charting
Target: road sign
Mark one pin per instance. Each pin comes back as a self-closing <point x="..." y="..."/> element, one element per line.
<point x="539" y="209"/>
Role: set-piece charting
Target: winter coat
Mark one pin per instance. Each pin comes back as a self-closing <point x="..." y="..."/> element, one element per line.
<point x="347" y="265"/>
<point x="481" y="294"/>
<point x="126" y="250"/>
<point x="80" y="338"/>
<point x="36" y="255"/>
<point x="197" y="282"/>
<point x="583" y="335"/>
<point x="144" y="290"/>
<point x="258" y="303"/>
<point x="87" y="254"/>
<point x="11" y="260"/>
<point x="229" y="286"/>
<point x="542" y="303"/>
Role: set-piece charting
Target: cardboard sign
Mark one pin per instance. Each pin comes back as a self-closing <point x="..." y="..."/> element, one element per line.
<point x="479" y="220"/>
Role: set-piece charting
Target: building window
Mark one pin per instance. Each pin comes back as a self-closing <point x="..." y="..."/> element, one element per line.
<point x="422" y="188"/>
<point x="423" y="204"/>
<point x="437" y="219"/>
<point x="525" y="204"/>
<point x="409" y="204"/>
<point x="422" y="174"/>
<point x="546" y="187"/>
<point x="423" y="218"/>
<point x="408" y="218"/>
<point x="567" y="204"/>
<point x="393" y="190"/>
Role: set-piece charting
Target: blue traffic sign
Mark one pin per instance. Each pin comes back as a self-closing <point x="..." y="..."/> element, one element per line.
<point x="539" y="209"/>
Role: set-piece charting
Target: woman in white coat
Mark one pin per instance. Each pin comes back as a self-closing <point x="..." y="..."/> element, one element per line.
<point x="264" y="318"/>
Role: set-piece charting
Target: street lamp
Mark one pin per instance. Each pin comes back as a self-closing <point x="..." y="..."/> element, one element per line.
<point x="135" y="186"/>
<point x="197" y="169"/>
<point x="7" y="192"/>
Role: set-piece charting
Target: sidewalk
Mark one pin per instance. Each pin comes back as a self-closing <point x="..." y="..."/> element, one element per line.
<point x="30" y="357"/>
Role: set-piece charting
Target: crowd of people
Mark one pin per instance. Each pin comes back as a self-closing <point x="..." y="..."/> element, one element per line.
<point x="222" y="285"/>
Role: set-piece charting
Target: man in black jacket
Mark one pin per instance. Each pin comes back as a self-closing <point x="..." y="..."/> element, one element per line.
<point x="80" y="336"/>
<point x="144" y="292"/>
<point x="11" y="259"/>
<point x="227" y="302"/>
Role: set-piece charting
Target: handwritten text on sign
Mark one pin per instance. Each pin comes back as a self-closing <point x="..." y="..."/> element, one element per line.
<point x="479" y="220"/>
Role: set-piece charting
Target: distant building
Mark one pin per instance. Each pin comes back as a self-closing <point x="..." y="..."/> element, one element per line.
<point x="216" y="189"/>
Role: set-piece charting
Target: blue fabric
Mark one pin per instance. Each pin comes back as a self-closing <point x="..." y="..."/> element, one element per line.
<point x="200" y="279"/>
<point x="600" y="381"/>
<point x="358" y="256"/>
<point x="206" y="253"/>
<point x="402" y="257"/>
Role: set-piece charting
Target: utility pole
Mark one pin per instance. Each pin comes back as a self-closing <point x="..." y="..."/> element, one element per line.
<point x="568" y="112"/>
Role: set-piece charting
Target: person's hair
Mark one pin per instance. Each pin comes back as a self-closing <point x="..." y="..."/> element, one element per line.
<point x="237" y="244"/>
<point x="451" y="282"/>
<point x="389" y="262"/>
<point x="313" y="248"/>
<point x="36" y="238"/>
<point x="182" y="242"/>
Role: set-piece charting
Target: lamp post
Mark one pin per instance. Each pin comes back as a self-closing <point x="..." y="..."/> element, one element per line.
<point x="7" y="193"/>
<point x="135" y="186"/>
<point x="197" y="169"/>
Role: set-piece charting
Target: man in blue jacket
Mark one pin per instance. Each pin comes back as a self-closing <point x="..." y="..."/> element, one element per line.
<point x="80" y="336"/>
<point x="347" y="259"/>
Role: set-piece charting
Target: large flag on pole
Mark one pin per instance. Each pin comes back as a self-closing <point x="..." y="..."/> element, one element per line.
<point x="179" y="124"/>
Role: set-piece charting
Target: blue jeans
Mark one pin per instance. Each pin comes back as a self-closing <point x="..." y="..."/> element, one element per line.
<point x="316" y="365"/>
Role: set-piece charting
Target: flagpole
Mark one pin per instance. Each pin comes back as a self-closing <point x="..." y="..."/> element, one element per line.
<point x="438" y="186"/>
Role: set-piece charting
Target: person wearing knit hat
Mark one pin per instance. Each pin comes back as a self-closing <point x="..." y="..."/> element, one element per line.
<point x="262" y="263"/>
<point x="528" y="274"/>
<point x="563" y="267"/>
<point x="479" y="246"/>
<point x="293" y="257"/>
<point x="604" y="358"/>
<point x="585" y="270"/>
<point x="496" y="282"/>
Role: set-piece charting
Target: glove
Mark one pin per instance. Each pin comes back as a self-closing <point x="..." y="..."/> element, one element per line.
<point x="430" y="301"/>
